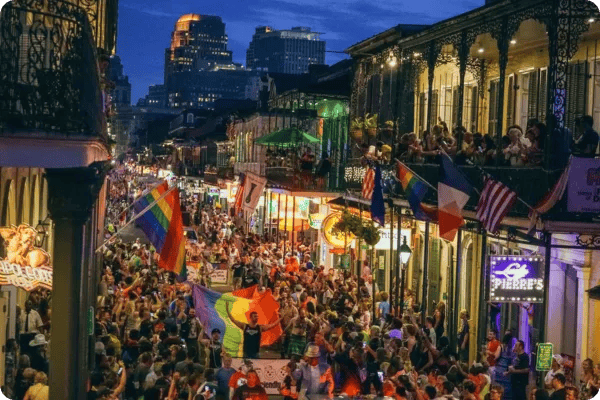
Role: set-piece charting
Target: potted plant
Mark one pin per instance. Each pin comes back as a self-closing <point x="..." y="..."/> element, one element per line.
<point x="371" y="124"/>
<point x="356" y="128"/>
<point x="348" y="223"/>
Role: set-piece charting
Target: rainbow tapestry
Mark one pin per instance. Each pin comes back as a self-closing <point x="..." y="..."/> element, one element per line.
<point x="211" y="309"/>
<point x="163" y="226"/>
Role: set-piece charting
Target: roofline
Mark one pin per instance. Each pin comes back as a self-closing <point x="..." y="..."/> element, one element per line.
<point x="368" y="43"/>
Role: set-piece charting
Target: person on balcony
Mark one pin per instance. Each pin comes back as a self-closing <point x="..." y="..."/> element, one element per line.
<point x="587" y="143"/>
<point x="323" y="169"/>
<point x="513" y="153"/>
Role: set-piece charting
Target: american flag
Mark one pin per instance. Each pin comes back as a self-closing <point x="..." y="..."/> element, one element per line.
<point x="495" y="202"/>
<point x="368" y="183"/>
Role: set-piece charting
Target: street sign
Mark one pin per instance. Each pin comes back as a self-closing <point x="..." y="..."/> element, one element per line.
<point x="544" y="357"/>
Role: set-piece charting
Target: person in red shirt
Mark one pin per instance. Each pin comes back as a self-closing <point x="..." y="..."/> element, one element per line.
<point x="493" y="350"/>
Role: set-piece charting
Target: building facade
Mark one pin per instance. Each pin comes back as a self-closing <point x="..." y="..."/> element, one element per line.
<point x="121" y="116"/>
<point x="54" y="158"/>
<point x="500" y="65"/>
<point x="285" y="51"/>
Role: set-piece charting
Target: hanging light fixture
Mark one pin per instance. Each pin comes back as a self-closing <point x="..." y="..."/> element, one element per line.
<point x="42" y="232"/>
<point x="405" y="251"/>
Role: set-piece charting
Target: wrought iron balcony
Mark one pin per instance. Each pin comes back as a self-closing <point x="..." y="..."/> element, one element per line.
<point x="49" y="77"/>
<point x="531" y="183"/>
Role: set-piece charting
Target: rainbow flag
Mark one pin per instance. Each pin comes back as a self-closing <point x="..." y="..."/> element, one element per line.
<point x="415" y="191"/>
<point x="163" y="226"/>
<point x="211" y="309"/>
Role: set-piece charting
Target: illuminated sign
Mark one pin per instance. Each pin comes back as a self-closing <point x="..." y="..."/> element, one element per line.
<point x="25" y="266"/>
<point x="335" y="240"/>
<point x="517" y="279"/>
<point x="316" y="220"/>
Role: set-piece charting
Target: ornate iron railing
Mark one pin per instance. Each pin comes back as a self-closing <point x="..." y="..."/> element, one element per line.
<point x="49" y="78"/>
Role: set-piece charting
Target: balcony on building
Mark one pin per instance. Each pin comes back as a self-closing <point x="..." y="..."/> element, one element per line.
<point x="52" y="107"/>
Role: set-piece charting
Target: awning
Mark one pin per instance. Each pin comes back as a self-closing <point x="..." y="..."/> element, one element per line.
<point x="288" y="137"/>
<point x="594" y="292"/>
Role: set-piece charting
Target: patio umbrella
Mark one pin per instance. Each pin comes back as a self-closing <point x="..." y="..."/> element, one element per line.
<point x="288" y="137"/>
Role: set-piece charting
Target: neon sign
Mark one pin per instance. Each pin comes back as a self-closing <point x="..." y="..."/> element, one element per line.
<point x="516" y="279"/>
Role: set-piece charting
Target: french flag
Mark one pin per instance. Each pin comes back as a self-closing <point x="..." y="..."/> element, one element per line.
<point x="453" y="194"/>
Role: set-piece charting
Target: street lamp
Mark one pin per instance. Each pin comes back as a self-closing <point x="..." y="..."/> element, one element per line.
<point x="405" y="253"/>
<point x="41" y="232"/>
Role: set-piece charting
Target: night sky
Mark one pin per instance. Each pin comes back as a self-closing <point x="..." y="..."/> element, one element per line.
<point x="145" y="26"/>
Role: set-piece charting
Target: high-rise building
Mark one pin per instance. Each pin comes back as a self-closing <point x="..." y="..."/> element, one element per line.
<point x="198" y="42"/>
<point x="121" y="116"/>
<point x="156" y="97"/>
<point x="285" y="51"/>
<point x="198" y="67"/>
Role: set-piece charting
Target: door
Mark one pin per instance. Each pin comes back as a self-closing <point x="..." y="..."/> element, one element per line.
<point x="596" y="96"/>
<point x="433" y="274"/>
<point x="523" y="100"/>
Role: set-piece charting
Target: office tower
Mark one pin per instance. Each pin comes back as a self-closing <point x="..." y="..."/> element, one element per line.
<point x="285" y="51"/>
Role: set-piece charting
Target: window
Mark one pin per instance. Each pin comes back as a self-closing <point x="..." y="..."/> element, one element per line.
<point x="422" y="105"/>
<point x="434" y="107"/>
<point x="510" y="103"/>
<point x="190" y="118"/>
<point x="576" y="90"/>
<point x="493" y="111"/>
<point x="474" y="126"/>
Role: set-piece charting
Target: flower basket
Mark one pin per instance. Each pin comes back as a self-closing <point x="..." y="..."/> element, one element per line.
<point x="356" y="134"/>
<point x="372" y="132"/>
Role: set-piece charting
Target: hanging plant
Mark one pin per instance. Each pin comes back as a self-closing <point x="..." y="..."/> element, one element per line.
<point x="348" y="223"/>
<point x="370" y="234"/>
<point x="356" y="128"/>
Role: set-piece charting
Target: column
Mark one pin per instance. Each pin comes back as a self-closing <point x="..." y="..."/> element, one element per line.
<point x="463" y="55"/>
<point x="72" y="194"/>
<point x="502" y="40"/>
<point x="432" y="55"/>
<point x="583" y="318"/>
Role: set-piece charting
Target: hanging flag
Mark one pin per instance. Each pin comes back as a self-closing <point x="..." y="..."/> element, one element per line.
<point x="415" y="191"/>
<point x="254" y="186"/>
<point x="163" y="226"/>
<point x="211" y="309"/>
<point x="377" y="204"/>
<point x="453" y="194"/>
<point x="368" y="183"/>
<point x="237" y="205"/>
<point x="495" y="203"/>
<point x="550" y="199"/>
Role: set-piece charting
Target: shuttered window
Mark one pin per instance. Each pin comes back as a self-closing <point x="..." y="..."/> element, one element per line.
<point x="474" y="109"/>
<point x="532" y="106"/>
<point x="434" y="107"/>
<point x="576" y="93"/>
<point x="422" y="105"/>
<point x="493" y="111"/>
<point x="543" y="95"/>
<point x="510" y="102"/>
<point x="454" y="107"/>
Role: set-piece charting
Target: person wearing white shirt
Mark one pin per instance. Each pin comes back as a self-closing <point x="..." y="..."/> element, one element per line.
<point x="30" y="319"/>
<point x="557" y="368"/>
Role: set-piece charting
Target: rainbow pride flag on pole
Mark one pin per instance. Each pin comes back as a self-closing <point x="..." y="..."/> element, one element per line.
<point x="163" y="226"/>
<point x="211" y="309"/>
<point x="415" y="190"/>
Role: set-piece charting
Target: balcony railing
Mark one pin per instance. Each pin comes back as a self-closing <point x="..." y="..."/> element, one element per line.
<point x="531" y="183"/>
<point x="49" y="79"/>
<point x="212" y="176"/>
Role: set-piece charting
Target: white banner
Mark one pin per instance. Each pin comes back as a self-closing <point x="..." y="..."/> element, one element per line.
<point x="219" y="275"/>
<point x="270" y="372"/>
<point x="584" y="185"/>
<point x="253" y="189"/>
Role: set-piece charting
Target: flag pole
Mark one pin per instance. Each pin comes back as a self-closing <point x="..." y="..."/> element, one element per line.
<point x="138" y="215"/>
<point x="415" y="174"/>
<point x="135" y="200"/>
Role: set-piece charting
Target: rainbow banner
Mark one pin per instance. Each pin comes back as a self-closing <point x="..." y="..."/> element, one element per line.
<point x="415" y="191"/>
<point x="163" y="226"/>
<point x="211" y="309"/>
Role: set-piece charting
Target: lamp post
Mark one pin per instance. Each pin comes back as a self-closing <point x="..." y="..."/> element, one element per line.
<point x="405" y="253"/>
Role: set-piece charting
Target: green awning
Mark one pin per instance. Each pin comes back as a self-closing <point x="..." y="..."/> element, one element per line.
<point x="288" y="137"/>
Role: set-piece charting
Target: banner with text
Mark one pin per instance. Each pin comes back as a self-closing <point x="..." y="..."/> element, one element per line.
<point x="584" y="185"/>
<point x="270" y="372"/>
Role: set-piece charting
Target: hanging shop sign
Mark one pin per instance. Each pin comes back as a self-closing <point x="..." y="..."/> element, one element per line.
<point x="316" y="220"/>
<point x="516" y="279"/>
<point x="338" y="240"/>
<point x="384" y="238"/>
<point x="584" y="185"/>
<point x="544" y="357"/>
<point x="254" y="186"/>
<point x="25" y="265"/>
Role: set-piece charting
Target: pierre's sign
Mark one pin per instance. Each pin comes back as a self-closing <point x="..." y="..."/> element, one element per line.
<point x="517" y="279"/>
<point x="25" y="266"/>
<point x="584" y="185"/>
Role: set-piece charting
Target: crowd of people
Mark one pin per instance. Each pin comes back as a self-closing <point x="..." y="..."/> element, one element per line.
<point x="150" y="344"/>
<point x="519" y="147"/>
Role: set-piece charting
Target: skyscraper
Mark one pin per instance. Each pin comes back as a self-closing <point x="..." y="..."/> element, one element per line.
<point x="285" y="51"/>
<point x="198" y="42"/>
<point x="198" y="67"/>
